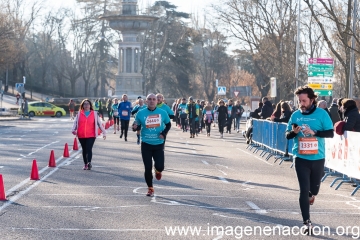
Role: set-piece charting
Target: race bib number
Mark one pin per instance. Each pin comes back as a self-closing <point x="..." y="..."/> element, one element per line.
<point x="125" y="113"/>
<point x="308" y="146"/>
<point x="116" y="113"/>
<point x="153" y="121"/>
<point x="229" y="112"/>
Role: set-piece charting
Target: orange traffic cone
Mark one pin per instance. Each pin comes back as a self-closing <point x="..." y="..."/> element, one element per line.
<point x="52" y="162"/>
<point x="75" y="146"/>
<point x="2" y="189"/>
<point x="66" y="151"/>
<point x="107" y="125"/>
<point x="34" y="171"/>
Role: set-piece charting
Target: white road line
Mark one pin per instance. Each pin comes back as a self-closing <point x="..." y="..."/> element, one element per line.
<point x="222" y="172"/>
<point x="205" y="162"/>
<point x="256" y="208"/>
<point x="223" y="179"/>
<point x="223" y="166"/>
<point x="218" y="237"/>
<point x="194" y="152"/>
<point x="1" y="166"/>
<point x="23" y="156"/>
<point x="254" y="156"/>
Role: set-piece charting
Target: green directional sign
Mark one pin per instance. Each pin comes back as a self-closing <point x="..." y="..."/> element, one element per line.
<point x="323" y="92"/>
<point x="320" y="73"/>
<point x="320" y="67"/>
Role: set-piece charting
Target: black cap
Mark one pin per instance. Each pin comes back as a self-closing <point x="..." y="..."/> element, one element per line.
<point x="139" y="97"/>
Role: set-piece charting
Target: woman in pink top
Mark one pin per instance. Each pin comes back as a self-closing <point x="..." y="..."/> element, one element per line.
<point x="86" y="127"/>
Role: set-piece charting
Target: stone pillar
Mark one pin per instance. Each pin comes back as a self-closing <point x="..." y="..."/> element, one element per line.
<point x="124" y="57"/>
<point x="139" y="68"/>
<point x="119" y="61"/>
<point x="132" y="59"/>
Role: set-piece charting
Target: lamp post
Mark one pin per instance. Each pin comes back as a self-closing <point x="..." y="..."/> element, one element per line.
<point x="352" y="59"/>
<point x="297" y="51"/>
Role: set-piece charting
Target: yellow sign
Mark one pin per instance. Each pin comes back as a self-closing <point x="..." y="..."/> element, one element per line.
<point x="320" y="86"/>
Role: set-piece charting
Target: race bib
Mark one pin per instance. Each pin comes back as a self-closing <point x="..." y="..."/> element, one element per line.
<point x="229" y="112"/>
<point x="308" y="145"/>
<point x="153" y="121"/>
<point x="125" y="113"/>
<point x="116" y="113"/>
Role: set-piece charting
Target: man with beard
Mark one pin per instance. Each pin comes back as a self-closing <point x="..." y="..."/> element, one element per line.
<point x="309" y="126"/>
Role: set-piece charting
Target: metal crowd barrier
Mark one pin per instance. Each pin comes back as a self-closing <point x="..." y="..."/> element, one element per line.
<point x="269" y="138"/>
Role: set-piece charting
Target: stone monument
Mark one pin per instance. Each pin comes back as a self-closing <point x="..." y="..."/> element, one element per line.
<point x="129" y="79"/>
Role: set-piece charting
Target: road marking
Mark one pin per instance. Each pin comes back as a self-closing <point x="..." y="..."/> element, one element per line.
<point x="255" y="156"/>
<point x="25" y="156"/>
<point x="218" y="237"/>
<point x="223" y="179"/>
<point x="223" y="166"/>
<point x="245" y="184"/>
<point x="222" y="172"/>
<point x="256" y="208"/>
<point x="205" y="162"/>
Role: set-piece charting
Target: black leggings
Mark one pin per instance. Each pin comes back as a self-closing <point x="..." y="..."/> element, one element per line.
<point x="192" y="125"/>
<point x="124" y="126"/>
<point x="221" y="123"/>
<point x="116" y="120"/>
<point x="228" y="124"/>
<point x="208" y="126"/>
<point x="87" y="145"/>
<point x="150" y="152"/>
<point x="183" y="124"/>
<point x="309" y="174"/>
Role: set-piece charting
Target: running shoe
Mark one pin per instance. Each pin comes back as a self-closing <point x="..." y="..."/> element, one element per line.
<point x="312" y="200"/>
<point x="307" y="228"/>
<point x="121" y="135"/>
<point x="150" y="192"/>
<point x="85" y="167"/>
<point x="89" y="166"/>
<point x="125" y="139"/>
<point x="158" y="175"/>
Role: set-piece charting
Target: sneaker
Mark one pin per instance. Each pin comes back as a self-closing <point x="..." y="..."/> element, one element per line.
<point x="191" y="136"/>
<point x="114" y="132"/>
<point x="89" y="166"/>
<point x="312" y="200"/>
<point x="150" y="192"/>
<point x="121" y="135"/>
<point x="158" y="175"/>
<point x="307" y="228"/>
<point x="85" y="167"/>
<point x="238" y="131"/>
<point x="125" y="139"/>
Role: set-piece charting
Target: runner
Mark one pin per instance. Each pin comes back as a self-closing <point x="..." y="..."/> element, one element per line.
<point x="124" y="110"/>
<point x="309" y="126"/>
<point x="71" y="109"/>
<point x="163" y="106"/>
<point x="182" y="114"/>
<point x="155" y="124"/>
<point x="229" y="117"/>
<point x="193" y="112"/>
<point x="140" y="105"/>
<point x="86" y="127"/>
<point x="115" y="114"/>
<point x="222" y="117"/>
<point x="208" y="117"/>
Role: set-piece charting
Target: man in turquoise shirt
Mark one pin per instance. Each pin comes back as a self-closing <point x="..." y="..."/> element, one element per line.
<point x="308" y="126"/>
<point x="163" y="106"/>
<point x="155" y="124"/>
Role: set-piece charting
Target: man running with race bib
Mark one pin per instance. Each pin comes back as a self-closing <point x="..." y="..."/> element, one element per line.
<point x="309" y="126"/>
<point x="155" y="124"/>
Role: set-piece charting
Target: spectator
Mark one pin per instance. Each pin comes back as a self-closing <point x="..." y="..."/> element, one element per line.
<point x="286" y="113"/>
<point x="267" y="108"/>
<point x="292" y="107"/>
<point x="351" y="115"/>
<point x="256" y="113"/>
<point x="334" y="111"/>
<point x="277" y="112"/>
<point x="323" y="104"/>
<point x="340" y="111"/>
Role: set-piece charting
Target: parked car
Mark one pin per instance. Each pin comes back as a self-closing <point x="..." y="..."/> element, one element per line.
<point x="43" y="109"/>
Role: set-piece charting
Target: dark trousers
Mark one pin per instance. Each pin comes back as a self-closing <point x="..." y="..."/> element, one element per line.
<point x="192" y="125"/>
<point x="183" y="124"/>
<point x="109" y="115"/>
<point x="148" y="153"/>
<point x="221" y="123"/>
<point x="124" y="127"/>
<point x="87" y="145"/>
<point x="208" y="126"/>
<point x="228" y="124"/>
<point x="309" y="174"/>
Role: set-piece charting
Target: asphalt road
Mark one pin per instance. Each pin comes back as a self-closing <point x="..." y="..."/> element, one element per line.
<point x="208" y="182"/>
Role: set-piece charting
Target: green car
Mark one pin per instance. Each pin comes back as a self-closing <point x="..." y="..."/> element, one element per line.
<point x="43" y="109"/>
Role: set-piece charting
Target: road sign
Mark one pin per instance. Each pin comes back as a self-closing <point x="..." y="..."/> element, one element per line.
<point x="321" y="80"/>
<point x="323" y="92"/>
<point x="321" y="60"/>
<point x="236" y="93"/>
<point x="221" y="90"/>
<point x="20" y="87"/>
<point x="326" y="86"/>
<point x="321" y="67"/>
<point x="320" y="74"/>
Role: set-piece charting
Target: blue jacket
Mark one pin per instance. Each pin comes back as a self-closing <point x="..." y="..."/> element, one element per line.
<point x="125" y="110"/>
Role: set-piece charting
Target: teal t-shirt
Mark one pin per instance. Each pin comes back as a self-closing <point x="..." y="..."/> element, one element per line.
<point x="229" y="108"/>
<point x="319" y="120"/>
<point x="166" y="108"/>
<point x="152" y="124"/>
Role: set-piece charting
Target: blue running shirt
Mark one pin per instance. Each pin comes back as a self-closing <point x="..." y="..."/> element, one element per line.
<point x="152" y="124"/>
